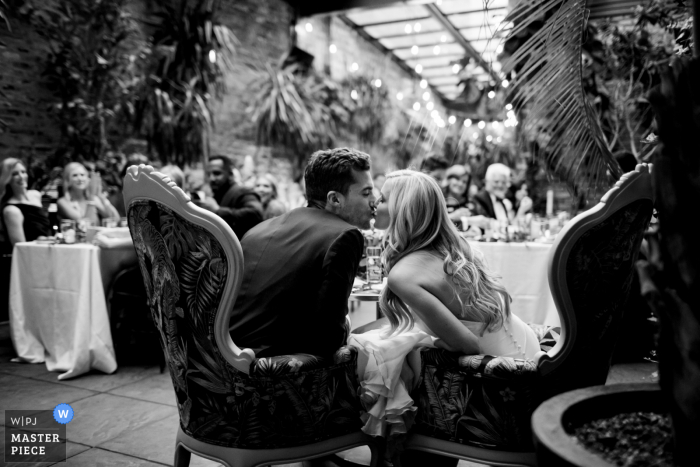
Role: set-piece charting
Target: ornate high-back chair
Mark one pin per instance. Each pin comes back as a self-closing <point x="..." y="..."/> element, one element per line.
<point x="233" y="407"/>
<point x="479" y="407"/>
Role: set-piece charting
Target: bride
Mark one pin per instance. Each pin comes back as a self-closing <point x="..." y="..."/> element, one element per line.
<point x="439" y="293"/>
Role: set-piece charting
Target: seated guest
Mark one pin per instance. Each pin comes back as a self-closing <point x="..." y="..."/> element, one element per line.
<point x="23" y="217"/>
<point x="522" y="204"/>
<point x="299" y="267"/>
<point x="456" y="192"/>
<point x="83" y="197"/>
<point x="266" y="187"/>
<point x="439" y="293"/>
<point x="239" y="206"/>
<point x="491" y="201"/>
<point x="435" y="166"/>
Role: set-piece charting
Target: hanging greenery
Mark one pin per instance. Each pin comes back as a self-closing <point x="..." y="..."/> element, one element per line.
<point x="547" y="93"/>
<point x="369" y="105"/>
<point x="296" y="108"/>
<point x="89" y="67"/>
<point x="184" y="68"/>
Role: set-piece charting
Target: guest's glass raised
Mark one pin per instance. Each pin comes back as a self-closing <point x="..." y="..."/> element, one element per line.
<point x="68" y="231"/>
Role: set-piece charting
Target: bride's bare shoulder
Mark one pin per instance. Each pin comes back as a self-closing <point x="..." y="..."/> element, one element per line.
<point x="416" y="266"/>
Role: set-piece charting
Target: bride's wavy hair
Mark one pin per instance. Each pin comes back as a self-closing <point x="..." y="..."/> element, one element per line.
<point x="419" y="220"/>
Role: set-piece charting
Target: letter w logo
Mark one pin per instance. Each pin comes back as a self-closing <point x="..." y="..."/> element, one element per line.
<point x="63" y="413"/>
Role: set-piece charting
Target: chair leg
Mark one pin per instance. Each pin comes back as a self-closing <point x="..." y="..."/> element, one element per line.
<point x="182" y="456"/>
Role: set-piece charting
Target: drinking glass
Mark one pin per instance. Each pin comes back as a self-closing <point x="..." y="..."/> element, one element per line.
<point x="374" y="265"/>
<point x="110" y="222"/>
<point x="68" y="230"/>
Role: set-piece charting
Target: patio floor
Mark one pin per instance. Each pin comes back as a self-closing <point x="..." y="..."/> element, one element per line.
<point x="130" y="418"/>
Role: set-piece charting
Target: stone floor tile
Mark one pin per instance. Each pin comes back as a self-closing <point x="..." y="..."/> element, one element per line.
<point x="155" y="442"/>
<point x="18" y="393"/>
<point x="97" y="457"/>
<point x="72" y="449"/>
<point x="101" y="382"/>
<point x="154" y="388"/>
<point x="28" y="370"/>
<point x="103" y="417"/>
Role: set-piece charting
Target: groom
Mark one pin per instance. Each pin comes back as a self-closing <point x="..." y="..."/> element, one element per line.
<point x="299" y="267"/>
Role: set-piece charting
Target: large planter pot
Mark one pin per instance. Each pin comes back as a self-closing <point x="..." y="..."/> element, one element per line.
<point x="557" y="447"/>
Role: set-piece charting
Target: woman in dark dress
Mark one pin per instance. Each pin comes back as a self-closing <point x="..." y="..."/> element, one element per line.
<point x="23" y="217"/>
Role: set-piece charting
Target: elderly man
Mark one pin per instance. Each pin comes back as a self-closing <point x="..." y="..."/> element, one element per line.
<point x="299" y="267"/>
<point x="491" y="201"/>
<point x="239" y="206"/>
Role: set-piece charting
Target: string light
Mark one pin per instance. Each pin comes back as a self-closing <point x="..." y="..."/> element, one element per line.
<point x="414" y="50"/>
<point x="423" y="83"/>
<point x="416" y="106"/>
<point x="489" y="138"/>
<point x="475" y="135"/>
<point x="505" y="84"/>
<point x="353" y="94"/>
<point x="498" y="140"/>
<point x="441" y="123"/>
<point x="212" y="56"/>
<point x="443" y="38"/>
<point x="434" y="114"/>
<point x="455" y="68"/>
<point x="416" y="27"/>
<point x="407" y="29"/>
<point x="309" y="27"/>
<point x="509" y="106"/>
<point x="419" y="68"/>
<point x="452" y="119"/>
<point x="436" y="50"/>
<point x="482" y="125"/>
<point x="429" y="105"/>
<point x="499" y="49"/>
<point x="426" y="96"/>
<point x="332" y="48"/>
<point x="399" y="96"/>
<point x="378" y="83"/>
<point x="491" y="94"/>
<point x="468" y="122"/>
<point x="354" y="67"/>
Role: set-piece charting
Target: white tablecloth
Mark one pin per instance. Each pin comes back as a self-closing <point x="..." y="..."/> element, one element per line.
<point x="523" y="271"/>
<point x="57" y="308"/>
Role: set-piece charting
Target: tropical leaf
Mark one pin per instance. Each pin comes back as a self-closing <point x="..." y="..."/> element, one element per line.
<point x="177" y="235"/>
<point x="547" y="91"/>
<point x="438" y="410"/>
<point x="303" y="413"/>
<point x="202" y="280"/>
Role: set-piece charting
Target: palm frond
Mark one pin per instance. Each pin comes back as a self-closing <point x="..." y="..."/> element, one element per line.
<point x="547" y="90"/>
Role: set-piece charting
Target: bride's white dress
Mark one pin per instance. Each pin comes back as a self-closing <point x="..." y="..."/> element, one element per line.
<point x="390" y="409"/>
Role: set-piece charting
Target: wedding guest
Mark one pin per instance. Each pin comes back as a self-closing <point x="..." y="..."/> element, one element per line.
<point x="239" y="206"/>
<point x="522" y="203"/>
<point x="435" y="166"/>
<point x="23" y="216"/>
<point x="491" y="201"/>
<point x="438" y="293"/>
<point x="299" y="267"/>
<point x="456" y="192"/>
<point x="83" y="197"/>
<point x="266" y="187"/>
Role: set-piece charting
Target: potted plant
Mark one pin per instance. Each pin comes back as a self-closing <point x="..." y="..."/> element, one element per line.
<point x="669" y="278"/>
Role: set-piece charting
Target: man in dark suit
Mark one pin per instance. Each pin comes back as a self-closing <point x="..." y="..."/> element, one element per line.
<point x="239" y="206"/>
<point x="299" y="267"/>
<point x="491" y="201"/>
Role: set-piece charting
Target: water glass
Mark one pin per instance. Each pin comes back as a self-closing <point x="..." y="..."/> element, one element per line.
<point x="374" y="265"/>
<point x="68" y="231"/>
<point x="110" y="222"/>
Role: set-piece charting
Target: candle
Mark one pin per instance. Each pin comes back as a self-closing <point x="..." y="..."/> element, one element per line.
<point x="550" y="202"/>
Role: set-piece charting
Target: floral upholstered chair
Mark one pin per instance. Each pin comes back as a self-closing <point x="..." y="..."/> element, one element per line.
<point x="234" y="408"/>
<point x="479" y="407"/>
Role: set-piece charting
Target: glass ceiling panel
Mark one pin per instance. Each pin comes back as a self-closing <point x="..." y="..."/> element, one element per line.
<point x="381" y="15"/>
<point x="439" y="60"/>
<point x="428" y="72"/>
<point x="408" y="40"/>
<point x="457" y="6"/>
<point x="424" y="52"/>
<point x="396" y="29"/>
<point x="444" y="80"/>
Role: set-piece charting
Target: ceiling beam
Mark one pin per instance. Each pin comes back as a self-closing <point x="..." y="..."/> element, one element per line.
<point x="395" y="21"/>
<point x="459" y="38"/>
<point x="323" y="7"/>
<point x="411" y="72"/>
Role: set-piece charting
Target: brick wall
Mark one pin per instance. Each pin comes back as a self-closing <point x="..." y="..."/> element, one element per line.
<point x="30" y="129"/>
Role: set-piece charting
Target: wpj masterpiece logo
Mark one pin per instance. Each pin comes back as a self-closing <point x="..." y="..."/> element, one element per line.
<point x="37" y="435"/>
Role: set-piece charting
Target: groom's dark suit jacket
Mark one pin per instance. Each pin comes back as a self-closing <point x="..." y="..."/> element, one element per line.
<point x="298" y="275"/>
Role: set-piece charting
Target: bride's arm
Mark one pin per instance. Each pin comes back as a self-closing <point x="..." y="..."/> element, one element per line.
<point x="413" y="289"/>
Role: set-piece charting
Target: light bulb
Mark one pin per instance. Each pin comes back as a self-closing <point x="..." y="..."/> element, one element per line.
<point x="309" y="27"/>
<point x="509" y="106"/>
<point x="416" y="27"/>
<point x="491" y="94"/>
<point x="468" y="122"/>
<point x="416" y="106"/>
<point x="436" y="50"/>
<point x="212" y="56"/>
<point x="489" y="138"/>
<point x="434" y="114"/>
<point x="475" y="135"/>
<point x="354" y="66"/>
<point x="407" y="29"/>
<point x="482" y="125"/>
<point x="419" y="68"/>
<point x="399" y="96"/>
<point x="452" y="119"/>
<point x="414" y="50"/>
<point x="378" y="83"/>
<point x="505" y="84"/>
<point x="426" y="96"/>
<point x="429" y="105"/>
<point x="455" y="68"/>
<point x="332" y="48"/>
<point x="353" y="94"/>
<point x="423" y="83"/>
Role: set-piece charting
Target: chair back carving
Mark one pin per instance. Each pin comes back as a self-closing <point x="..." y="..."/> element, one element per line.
<point x="192" y="264"/>
<point x="590" y="271"/>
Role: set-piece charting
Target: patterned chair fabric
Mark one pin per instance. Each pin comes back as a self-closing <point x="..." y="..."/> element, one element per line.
<point x="487" y="401"/>
<point x="284" y="401"/>
<point x="480" y="400"/>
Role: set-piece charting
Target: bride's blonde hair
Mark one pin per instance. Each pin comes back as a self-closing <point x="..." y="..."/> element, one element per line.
<point x="419" y="220"/>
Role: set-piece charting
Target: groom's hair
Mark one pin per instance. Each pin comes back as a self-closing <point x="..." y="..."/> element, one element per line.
<point x="331" y="170"/>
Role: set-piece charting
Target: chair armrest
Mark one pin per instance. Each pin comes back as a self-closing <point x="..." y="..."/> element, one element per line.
<point x="301" y="363"/>
<point x="480" y="366"/>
